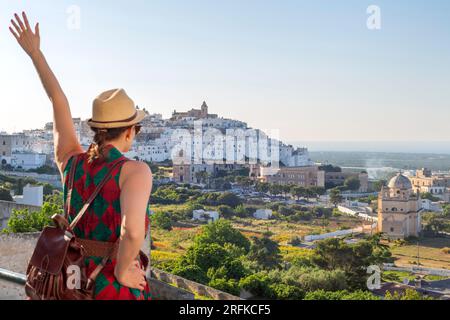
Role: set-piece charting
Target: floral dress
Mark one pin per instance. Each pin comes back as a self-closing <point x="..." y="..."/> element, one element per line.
<point x="102" y="221"/>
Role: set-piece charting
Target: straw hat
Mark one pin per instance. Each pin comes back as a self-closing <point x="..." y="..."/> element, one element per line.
<point x="114" y="109"/>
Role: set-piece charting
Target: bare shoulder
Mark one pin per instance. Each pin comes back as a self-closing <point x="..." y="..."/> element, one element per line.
<point x="136" y="169"/>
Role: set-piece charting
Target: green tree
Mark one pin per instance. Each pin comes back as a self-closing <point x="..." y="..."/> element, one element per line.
<point x="311" y="279"/>
<point x="298" y="192"/>
<point x="5" y="194"/>
<point x="282" y="291"/>
<point x="202" y="177"/>
<point x="191" y="272"/>
<point x="265" y="252"/>
<point x="262" y="187"/>
<point x="429" y="196"/>
<point x="353" y="259"/>
<point x="335" y="197"/>
<point x="275" y="189"/>
<point x="258" y="285"/>
<point x="205" y="256"/>
<point x="330" y="168"/>
<point x="352" y="184"/>
<point x="222" y="232"/>
<point x="446" y="211"/>
<point x="229" y="199"/>
<point x="225" y="211"/>
<point x="162" y="220"/>
<point x="377" y="185"/>
<point x="244" y="182"/>
<point x="226" y="285"/>
<point x="318" y="191"/>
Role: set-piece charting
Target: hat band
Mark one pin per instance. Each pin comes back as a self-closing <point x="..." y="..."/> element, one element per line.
<point x="117" y="121"/>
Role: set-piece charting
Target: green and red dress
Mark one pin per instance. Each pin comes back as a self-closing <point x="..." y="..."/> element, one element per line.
<point x="102" y="221"/>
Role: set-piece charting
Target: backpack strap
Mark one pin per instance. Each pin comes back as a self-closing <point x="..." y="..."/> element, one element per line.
<point x="94" y="194"/>
<point x="73" y="168"/>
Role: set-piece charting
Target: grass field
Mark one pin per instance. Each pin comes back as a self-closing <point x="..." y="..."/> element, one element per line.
<point x="169" y="245"/>
<point x="432" y="253"/>
<point x="284" y="231"/>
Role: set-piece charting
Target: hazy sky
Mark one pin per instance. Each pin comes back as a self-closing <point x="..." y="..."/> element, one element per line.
<point x="311" y="69"/>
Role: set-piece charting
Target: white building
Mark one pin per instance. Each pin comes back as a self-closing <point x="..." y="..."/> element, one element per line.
<point x="202" y="215"/>
<point x="28" y="161"/>
<point x="263" y="214"/>
<point x="151" y="152"/>
<point x="32" y="196"/>
<point x="429" y="205"/>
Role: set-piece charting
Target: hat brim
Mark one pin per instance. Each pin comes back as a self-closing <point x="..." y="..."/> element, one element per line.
<point x="112" y="125"/>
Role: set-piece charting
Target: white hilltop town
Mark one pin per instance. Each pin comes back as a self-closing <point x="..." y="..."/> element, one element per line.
<point x="221" y="141"/>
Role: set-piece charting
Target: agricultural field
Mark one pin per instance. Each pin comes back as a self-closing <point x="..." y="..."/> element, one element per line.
<point x="433" y="253"/>
<point x="169" y="245"/>
<point x="284" y="231"/>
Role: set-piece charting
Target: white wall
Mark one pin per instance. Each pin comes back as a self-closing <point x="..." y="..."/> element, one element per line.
<point x="32" y="196"/>
<point x="28" y="160"/>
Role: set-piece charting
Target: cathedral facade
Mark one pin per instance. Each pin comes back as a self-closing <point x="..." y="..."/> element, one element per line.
<point x="399" y="209"/>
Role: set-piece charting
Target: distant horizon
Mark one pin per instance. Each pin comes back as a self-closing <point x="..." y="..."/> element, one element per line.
<point x="381" y="146"/>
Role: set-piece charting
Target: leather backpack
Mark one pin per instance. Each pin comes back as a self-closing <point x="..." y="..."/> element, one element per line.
<point x="57" y="269"/>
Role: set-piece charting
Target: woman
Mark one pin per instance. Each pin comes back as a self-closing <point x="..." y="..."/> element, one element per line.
<point x="120" y="209"/>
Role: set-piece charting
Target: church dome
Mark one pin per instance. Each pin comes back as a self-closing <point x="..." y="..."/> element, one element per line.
<point x="400" y="182"/>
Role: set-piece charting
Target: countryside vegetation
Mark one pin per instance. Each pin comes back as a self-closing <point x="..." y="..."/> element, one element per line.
<point x="259" y="258"/>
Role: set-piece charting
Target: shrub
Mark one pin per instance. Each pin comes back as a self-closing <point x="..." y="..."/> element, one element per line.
<point x="340" y="295"/>
<point x="5" y="194"/>
<point x="225" y="211"/>
<point x="408" y="294"/>
<point x="231" y="286"/>
<point x="283" y="291"/>
<point x="229" y="199"/>
<point x="190" y="272"/>
<point x="222" y="232"/>
<point x="295" y="241"/>
<point x="258" y="285"/>
<point x="162" y="220"/>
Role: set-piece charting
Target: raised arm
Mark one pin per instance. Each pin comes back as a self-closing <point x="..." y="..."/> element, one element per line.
<point x="65" y="138"/>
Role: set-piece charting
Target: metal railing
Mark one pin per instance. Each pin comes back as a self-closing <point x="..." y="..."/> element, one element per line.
<point x="11" y="276"/>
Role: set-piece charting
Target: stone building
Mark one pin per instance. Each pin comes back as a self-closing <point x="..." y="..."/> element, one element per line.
<point x="399" y="209"/>
<point x="201" y="113"/>
<point x="427" y="182"/>
<point x="309" y="176"/>
<point x="197" y="173"/>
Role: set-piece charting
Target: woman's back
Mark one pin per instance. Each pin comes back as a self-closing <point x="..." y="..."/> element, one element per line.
<point x="102" y="221"/>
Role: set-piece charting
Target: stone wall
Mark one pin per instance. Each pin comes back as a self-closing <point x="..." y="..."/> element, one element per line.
<point x="15" y="252"/>
<point x="191" y="286"/>
<point x="6" y="209"/>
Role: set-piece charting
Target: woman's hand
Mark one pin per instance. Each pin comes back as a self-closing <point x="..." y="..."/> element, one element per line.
<point x="29" y="41"/>
<point x="133" y="277"/>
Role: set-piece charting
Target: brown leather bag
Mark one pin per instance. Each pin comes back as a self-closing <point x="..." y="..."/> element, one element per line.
<point x="58" y="251"/>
